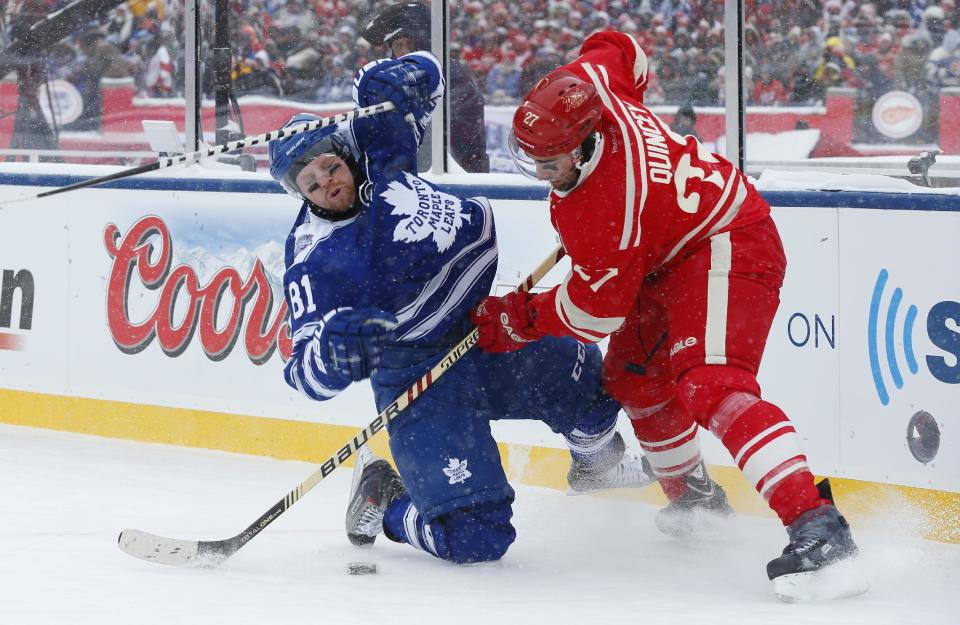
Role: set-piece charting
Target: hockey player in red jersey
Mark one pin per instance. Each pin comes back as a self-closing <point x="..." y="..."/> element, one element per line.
<point x="676" y="259"/>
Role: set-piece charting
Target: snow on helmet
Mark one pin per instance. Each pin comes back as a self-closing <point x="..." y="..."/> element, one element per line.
<point x="557" y="116"/>
<point x="288" y="156"/>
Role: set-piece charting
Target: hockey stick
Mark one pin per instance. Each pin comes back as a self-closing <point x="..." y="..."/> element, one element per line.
<point x="212" y="553"/>
<point x="215" y="150"/>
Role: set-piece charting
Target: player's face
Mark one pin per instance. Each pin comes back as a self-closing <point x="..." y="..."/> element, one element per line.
<point x="560" y="171"/>
<point x="401" y="46"/>
<point x="328" y="182"/>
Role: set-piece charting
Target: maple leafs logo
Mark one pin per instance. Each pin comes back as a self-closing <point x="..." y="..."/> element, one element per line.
<point x="425" y="212"/>
<point x="457" y="471"/>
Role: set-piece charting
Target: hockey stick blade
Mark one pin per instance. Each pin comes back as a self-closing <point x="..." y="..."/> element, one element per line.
<point x="153" y="548"/>
<point x="211" y="554"/>
<point x="177" y="552"/>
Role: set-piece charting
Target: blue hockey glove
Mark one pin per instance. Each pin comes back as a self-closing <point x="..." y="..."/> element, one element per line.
<point x="401" y="82"/>
<point x="351" y="341"/>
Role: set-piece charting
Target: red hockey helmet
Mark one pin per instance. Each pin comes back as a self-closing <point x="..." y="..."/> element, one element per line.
<point x="557" y="115"/>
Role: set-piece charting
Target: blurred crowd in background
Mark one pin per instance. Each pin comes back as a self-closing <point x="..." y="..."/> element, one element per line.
<point x="308" y="50"/>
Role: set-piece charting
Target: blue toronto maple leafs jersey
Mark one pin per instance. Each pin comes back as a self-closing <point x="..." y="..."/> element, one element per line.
<point x="415" y="251"/>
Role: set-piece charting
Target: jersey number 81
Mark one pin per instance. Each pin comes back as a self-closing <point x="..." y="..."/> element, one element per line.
<point x="296" y="302"/>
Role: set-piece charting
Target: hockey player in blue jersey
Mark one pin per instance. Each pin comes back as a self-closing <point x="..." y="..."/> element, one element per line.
<point x="383" y="269"/>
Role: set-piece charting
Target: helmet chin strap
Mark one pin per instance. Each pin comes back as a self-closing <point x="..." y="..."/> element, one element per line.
<point x="584" y="153"/>
<point x="586" y="149"/>
<point x="585" y="161"/>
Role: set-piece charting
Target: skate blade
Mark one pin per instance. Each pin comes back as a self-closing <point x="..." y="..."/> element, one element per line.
<point x="572" y="492"/>
<point x="696" y="526"/>
<point x="614" y="480"/>
<point x="836" y="581"/>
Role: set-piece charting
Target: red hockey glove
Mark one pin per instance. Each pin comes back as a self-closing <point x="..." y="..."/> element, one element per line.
<point x="504" y="323"/>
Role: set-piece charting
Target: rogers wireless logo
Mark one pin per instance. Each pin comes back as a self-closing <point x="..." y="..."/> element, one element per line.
<point x="894" y="327"/>
<point x="16" y="295"/>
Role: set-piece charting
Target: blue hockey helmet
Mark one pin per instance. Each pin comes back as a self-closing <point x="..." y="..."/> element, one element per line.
<point x="290" y="155"/>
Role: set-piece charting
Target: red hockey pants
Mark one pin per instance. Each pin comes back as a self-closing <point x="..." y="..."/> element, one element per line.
<point x="688" y="356"/>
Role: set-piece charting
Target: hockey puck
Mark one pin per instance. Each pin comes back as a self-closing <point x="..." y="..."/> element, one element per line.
<point x="361" y="568"/>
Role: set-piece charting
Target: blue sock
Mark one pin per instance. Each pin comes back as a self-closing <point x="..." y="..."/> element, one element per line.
<point x="402" y="523"/>
<point x="594" y="431"/>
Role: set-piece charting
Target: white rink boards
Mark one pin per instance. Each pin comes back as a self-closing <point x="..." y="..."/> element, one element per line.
<point x="866" y="338"/>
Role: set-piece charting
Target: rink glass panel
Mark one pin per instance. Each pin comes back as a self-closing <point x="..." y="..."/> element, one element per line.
<point x="821" y="78"/>
<point x="82" y="100"/>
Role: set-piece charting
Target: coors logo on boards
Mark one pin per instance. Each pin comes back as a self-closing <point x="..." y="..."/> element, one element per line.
<point x="157" y="292"/>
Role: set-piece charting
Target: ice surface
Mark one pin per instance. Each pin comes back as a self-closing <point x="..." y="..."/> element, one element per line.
<point x="577" y="559"/>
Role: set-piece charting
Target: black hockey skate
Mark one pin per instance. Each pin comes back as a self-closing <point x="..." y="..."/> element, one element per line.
<point x="699" y="512"/>
<point x="610" y="468"/>
<point x="375" y="485"/>
<point x="818" y="564"/>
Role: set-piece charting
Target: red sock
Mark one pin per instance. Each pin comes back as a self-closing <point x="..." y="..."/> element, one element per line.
<point x="668" y="438"/>
<point x="766" y="448"/>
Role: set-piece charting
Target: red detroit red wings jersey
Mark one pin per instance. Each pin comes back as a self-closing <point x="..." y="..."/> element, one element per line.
<point x="646" y="198"/>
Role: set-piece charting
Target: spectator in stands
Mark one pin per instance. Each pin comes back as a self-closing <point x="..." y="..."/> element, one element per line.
<point x="779" y="54"/>
<point x="872" y="81"/>
<point x="294" y="15"/>
<point x="405" y="28"/>
<point x="901" y="22"/>
<point x="544" y="61"/>
<point x="828" y="76"/>
<point x="685" y="121"/>
<point x="120" y="26"/>
<point x="803" y="88"/>
<point x="767" y="90"/>
<point x="836" y="67"/>
<point x="336" y="84"/>
<point x="136" y="57"/>
<point x="158" y="78"/>
<point x="662" y="42"/>
<point x="943" y="68"/>
<point x="933" y="25"/>
<point x="98" y="59"/>
<point x="753" y="50"/>
<point x="357" y="54"/>
<point x="681" y="40"/>
<point x="304" y="62"/>
<point x="909" y="66"/>
<point x="806" y="13"/>
<point x="698" y="78"/>
<point x="886" y="53"/>
<point x="952" y="11"/>
<point x="810" y="48"/>
<point x="653" y="94"/>
<point x="719" y="85"/>
<point x="503" y="81"/>
<point x="946" y="49"/>
<point x="673" y="84"/>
